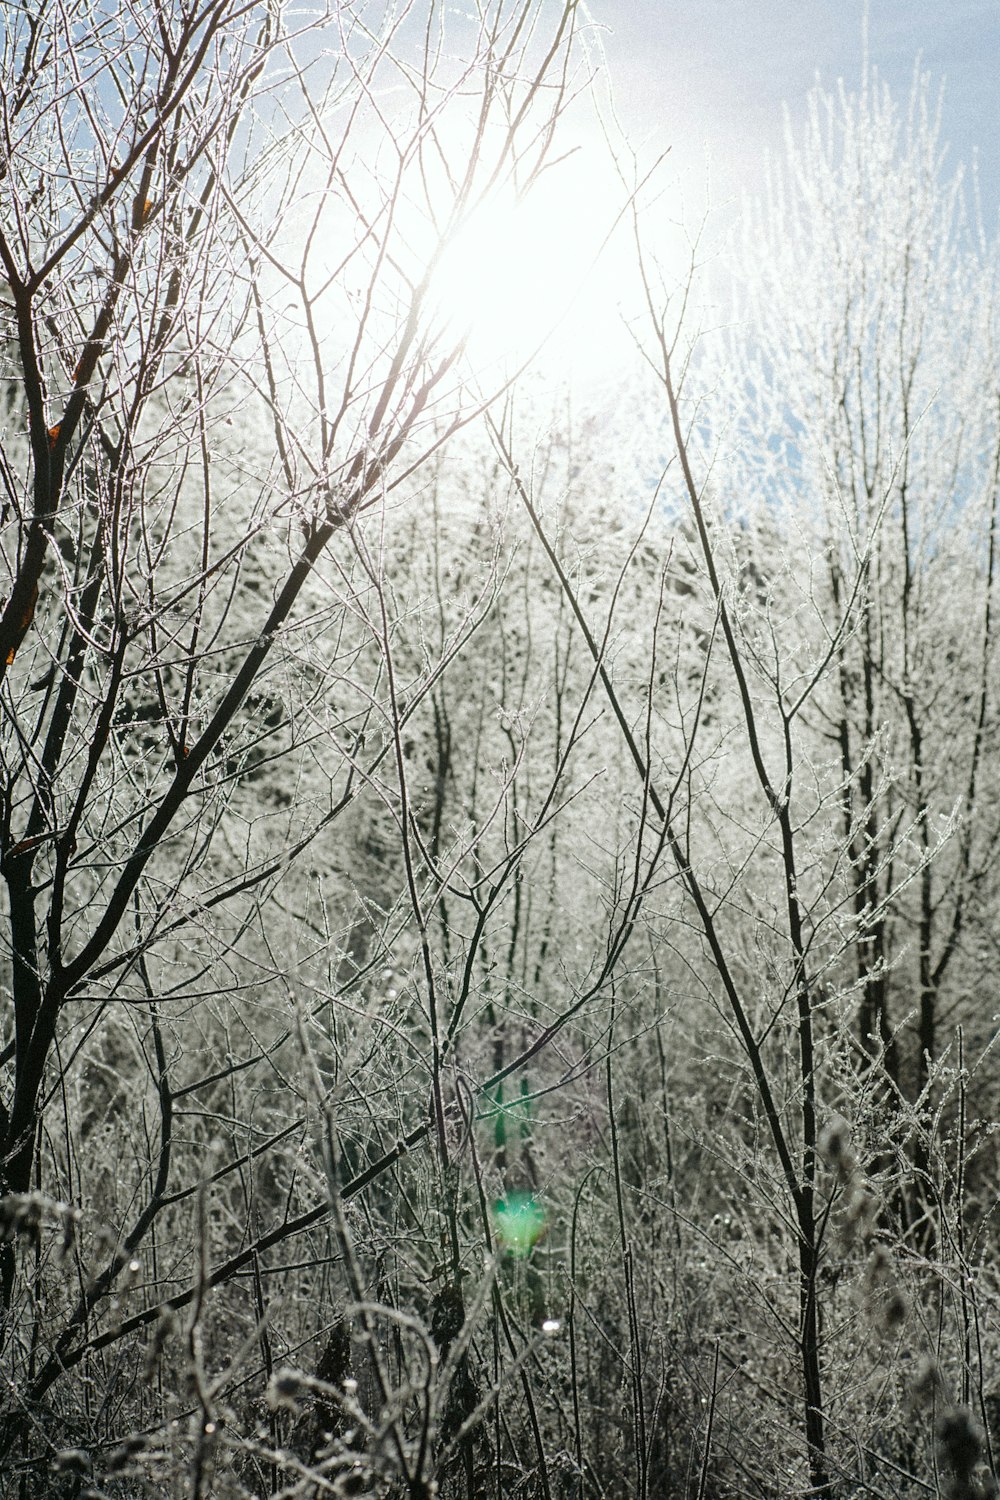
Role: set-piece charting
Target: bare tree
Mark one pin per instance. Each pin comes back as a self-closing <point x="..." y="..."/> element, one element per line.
<point x="845" y="486"/>
<point x="223" y="345"/>
<point x="488" y="902"/>
<point x="880" y="372"/>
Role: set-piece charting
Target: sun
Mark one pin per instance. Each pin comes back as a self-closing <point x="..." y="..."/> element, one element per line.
<point x="537" y="276"/>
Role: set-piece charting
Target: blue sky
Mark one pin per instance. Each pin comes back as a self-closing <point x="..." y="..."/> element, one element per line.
<point x="717" y="72"/>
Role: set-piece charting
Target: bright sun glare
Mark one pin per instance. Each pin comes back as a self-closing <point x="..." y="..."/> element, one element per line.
<point x="541" y="272"/>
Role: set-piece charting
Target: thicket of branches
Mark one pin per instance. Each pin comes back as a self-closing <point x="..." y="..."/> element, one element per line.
<point x="500" y="901"/>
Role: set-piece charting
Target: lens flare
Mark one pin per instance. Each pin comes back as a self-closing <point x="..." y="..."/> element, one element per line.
<point x="520" y="1222"/>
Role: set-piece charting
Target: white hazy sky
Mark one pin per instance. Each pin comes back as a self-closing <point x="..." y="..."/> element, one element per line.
<point x="717" y="72"/>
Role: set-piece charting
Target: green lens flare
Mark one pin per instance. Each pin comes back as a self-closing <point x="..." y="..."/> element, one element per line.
<point x="519" y="1222"/>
